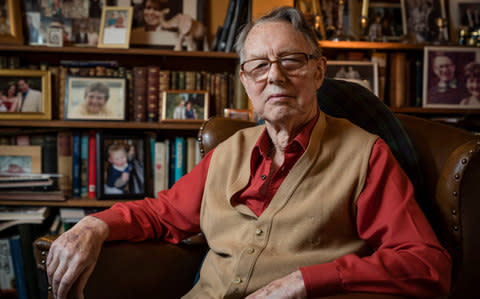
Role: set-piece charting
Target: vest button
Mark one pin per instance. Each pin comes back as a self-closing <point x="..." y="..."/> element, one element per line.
<point x="250" y="250"/>
<point x="258" y="231"/>
<point x="237" y="280"/>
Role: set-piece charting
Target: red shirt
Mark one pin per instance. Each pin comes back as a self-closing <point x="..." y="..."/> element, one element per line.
<point x="408" y="258"/>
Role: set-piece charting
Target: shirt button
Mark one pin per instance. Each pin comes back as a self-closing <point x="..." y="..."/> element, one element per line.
<point x="237" y="280"/>
<point x="250" y="250"/>
<point x="258" y="231"/>
<point x="263" y="177"/>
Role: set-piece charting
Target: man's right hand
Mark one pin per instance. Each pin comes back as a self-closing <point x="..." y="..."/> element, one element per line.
<point x="73" y="256"/>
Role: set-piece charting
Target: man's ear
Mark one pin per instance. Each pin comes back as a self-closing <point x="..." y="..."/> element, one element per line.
<point x="321" y="65"/>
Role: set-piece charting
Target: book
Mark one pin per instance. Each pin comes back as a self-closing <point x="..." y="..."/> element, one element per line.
<point x="381" y="59"/>
<point x="76" y="165"/>
<point x="159" y="172"/>
<point x="239" y="18"/>
<point x="153" y="84"/>
<point x="222" y="42"/>
<point x="7" y="275"/>
<point x="180" y="158"/>
<point x="139" y="93"/>
<point x="191" y="154"/>
<point x="84" y="164"/>
<point x="25" y="213"/>
<point x="397" y="79"/>
<point x="92" y="164"/>
<point x="18" y="267"/>
<point x="64" y="157"/>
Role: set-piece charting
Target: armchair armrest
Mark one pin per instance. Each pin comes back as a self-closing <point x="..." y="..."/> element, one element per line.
<point x="150" y="269"/>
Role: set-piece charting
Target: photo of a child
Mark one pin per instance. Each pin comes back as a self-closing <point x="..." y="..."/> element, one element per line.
<point x="123" y="167"/>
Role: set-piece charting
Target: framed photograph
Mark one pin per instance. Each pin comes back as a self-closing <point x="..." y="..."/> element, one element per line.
<point x="463" y="13"/>
<point x="95" y="98"/>
<point x="122" y="166"/>
<point x="185" y="105"/>
<point x="25" y="94"/>
<point x="385" y="21"/>
<point x="420" y="18"/>
<point x="244" y="114"/>
<point x="150" y="14"/>
<point x="364" y="73"/>
<point x="115" y="27"/>
<point x="450" y="77"/>
<point x="20" y="159"/>
<point x="10" y="22"/>
<point x="55" y="37"/>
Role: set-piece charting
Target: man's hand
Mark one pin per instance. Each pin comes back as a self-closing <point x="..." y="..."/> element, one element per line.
<point x="73" y="256"/>
<point x="288" y="287"/>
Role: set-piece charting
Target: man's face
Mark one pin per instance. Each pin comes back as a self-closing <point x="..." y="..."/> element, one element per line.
<point x="95" y="101"/>
<point x="281" y="96"/>
<point x="22" y="86"/>
<point x="473" y="86"/>
<point x="444" y="68"/>
<point x="118" y="158"/>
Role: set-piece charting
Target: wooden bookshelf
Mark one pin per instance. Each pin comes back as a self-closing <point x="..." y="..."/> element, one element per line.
<point x="72" y="202"/>
<point x="179" y="125"/>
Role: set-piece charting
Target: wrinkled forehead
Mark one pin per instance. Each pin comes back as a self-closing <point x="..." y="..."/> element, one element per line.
<point x="274" y="37"/>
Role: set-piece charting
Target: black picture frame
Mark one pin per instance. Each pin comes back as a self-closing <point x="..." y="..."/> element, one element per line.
<point x="111" y="146"/>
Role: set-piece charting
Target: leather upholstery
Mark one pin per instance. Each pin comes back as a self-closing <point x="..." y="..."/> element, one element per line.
<point x="450" y="161"/>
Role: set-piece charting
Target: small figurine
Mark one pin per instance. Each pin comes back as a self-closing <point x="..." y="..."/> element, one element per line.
<point x="189" y="30"/>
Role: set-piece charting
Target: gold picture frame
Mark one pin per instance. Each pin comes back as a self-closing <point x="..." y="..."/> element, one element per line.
<point x="25" y="95"/>
<point x="20" y="159"/>
<point x="11" y="23"/>
<point x="115" y="27"/>
<point x="176" y="108"/>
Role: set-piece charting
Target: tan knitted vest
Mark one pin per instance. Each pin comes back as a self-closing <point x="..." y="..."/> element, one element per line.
<point x="311" y="219"/>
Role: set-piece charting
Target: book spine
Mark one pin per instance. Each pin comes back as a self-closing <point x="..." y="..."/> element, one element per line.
<point x="139" y="93"/>
<point x="171" y="162"/>
<point x="92" y="164"/>
<point x="64" y="141"/>
<point x="397" y="79"/>
<point x="191" y="160"/>
<point x="84" y="165"/>
<point x="7" y="275"/>
<point x="76" y="160"/>
<point x="190" y="80"/>
<point x="18" y="267"/>
<point x="153" y="83"/>
<point x="61" y="92"/>
<point x="159" y="167"/>
<point x="179" y="157"/>
<point x="163" y="85"/>
<point x="222" y="43"/>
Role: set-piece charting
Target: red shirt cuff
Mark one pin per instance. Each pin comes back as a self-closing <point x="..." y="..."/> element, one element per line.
<point x="322" y="280"/>
<point x="118" y="229"/>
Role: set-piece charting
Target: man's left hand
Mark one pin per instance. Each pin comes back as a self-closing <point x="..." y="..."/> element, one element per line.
<point x="288" y="287"/>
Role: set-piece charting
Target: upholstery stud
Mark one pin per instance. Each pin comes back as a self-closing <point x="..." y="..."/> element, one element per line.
<point x="455" y="228"/>
<point x="454" y="212"/>
<point x="457" y="176"/>
<point x="455" y="193"/>
<point x="464" y="161"/>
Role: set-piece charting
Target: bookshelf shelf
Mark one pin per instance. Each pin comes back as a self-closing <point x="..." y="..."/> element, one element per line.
<point x="183" y="125"/>
<point x="363" y="45"/>
<point x="435" y="111"/>
<point x="73" y="203"/>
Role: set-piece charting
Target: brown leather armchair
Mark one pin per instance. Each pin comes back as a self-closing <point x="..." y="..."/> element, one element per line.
<point x="450" y="159"/>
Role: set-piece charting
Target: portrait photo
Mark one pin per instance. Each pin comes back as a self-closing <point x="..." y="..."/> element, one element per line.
<point x="25" y="94"/>
<point x="95" y="98"/>
<point x="450" y="77"/>
<point x="421" y="19"/>
<point x="10" y="22"/>
<point x="385" y="22"/>
<point x="115" y="27"/>
<point x="150" y="15"/>
<point x="364" y="73"/>
<point x="20" y="159"/>
<point x="182" y="105"/>
<point x="122" y="166"/>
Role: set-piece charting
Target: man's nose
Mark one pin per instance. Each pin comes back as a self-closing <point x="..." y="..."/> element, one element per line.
<point x="275" y="73"/>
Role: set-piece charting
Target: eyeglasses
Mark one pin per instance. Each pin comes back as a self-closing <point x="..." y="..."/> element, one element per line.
<point x="257" y="69"/>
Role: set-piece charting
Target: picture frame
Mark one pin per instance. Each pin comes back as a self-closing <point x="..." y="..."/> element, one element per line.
<point x="145" y="28"/>
<point x="446" y="75"/>
<point x="420" y="20"/>
<point x="244" y="114"/>
<point x="119" y="154"/>
<point x="385" y="22"/>
<point x="11" y="31"/>
<point x="364" y="73"/>
<point x="20" y="159"/>
<point x="175" y="105"/>
<point x="458" y="11"/>
<point x="15" y="103"/>
<point x="95" y="98"/>
<point x="115" y="27"/>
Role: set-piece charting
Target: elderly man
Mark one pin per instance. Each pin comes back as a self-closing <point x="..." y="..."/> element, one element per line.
<point x="305" y="206"/>
<point x="31" y="98"/>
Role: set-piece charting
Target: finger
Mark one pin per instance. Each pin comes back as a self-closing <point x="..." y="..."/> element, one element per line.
<point x="57" y="278"/>
<point x="79" y="286"/>
<point x="52" y="265"/>
<point x="68" y="279"/>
